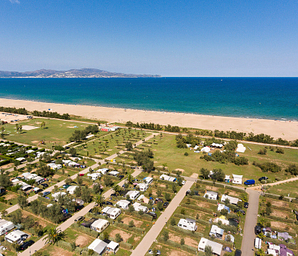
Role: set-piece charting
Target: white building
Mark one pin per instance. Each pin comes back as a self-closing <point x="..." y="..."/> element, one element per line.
<point x="237" y="179"/>
<point x="71" y="190"/>
<point x="216" y="232"/>
<point x="138" y="207"/>
<point x="222" y="206"/>
<point x="133" y="195"/>
<point x="123" y="204"/>
<point x="148" y="180"/>
<point x="54" y="166"/>
<point x="240" y="148"/>
<point x="167" y="178"/>
<point x="103" y="171"/>
<point x="16" y="236"/>
<point x="113" y="173"/>
<point x="233" y="200"/>
<point x="187" y="224"/>
<point x="211" y="195"/>
<point x="94" y="176"/>
<point x="56" y="195"/>
<point x="142" y="186"/>
<point x="5" y="226"/>
<point x="112" y="213"/>
<point x="222" y="220"/>
<point x="99" y="225"/>
<point x="100" y="246"/>
<point x="216" y="247"/>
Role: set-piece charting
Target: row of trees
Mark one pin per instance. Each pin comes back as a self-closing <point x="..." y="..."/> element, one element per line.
<point x="218" y="174"/>
<point x="51" y="114"/>
<point x="79" y="135"/>
<point x="152" y="126"/>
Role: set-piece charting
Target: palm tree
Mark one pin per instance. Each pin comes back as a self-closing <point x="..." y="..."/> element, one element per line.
<point x="99" y="199"/>
<point x="54" y="236"/>
<point x="130" y="178"/>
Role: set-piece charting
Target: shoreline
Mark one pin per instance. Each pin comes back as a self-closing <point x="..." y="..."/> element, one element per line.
<point x="276" y="128"/>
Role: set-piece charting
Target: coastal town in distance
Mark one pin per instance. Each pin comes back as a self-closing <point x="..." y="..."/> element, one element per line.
<point x="77" y="186"/>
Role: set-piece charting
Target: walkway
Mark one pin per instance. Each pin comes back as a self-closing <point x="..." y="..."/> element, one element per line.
<point x="151" y="236"/>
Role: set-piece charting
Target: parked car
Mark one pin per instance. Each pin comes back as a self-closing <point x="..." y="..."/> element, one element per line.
<point x="250" y="182"/>
<point x="238" y="252"/>
<point x="240" y="210"/>
<point x="263" y="178"/>
<point x="25" y="245"/>
<point x="66" y="186"/>
<point x="258" y="230"/>
<point x="165" y="205"/>
<point x="108" y="203"/>
<point x="153" y="214"/>
<point x="246" y="205"/>
<point x="44" y="194"/>
<point x="65" y="216"/>
<point x="80" y="218"/>
<point x="81" y="174"/>
<point x="121" y="177"/>
<point x="45" y="185"/>
<point x="157" y="252"/>
<point x="158" y="200"/>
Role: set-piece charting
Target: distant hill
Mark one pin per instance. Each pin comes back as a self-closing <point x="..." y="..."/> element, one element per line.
<point x="72" y="73"/>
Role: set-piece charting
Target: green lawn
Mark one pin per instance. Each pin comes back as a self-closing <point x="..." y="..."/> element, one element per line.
<point x="55" y="132"/>
<point x="285" y="189"/>
<point x="166" y="153"/>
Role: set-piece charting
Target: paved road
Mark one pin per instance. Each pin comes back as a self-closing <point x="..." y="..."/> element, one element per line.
<point x="151" y="236"/>
<point x="247" y="246"/>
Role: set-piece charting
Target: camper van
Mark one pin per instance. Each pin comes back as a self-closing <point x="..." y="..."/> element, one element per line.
<point x="258" y="243"/>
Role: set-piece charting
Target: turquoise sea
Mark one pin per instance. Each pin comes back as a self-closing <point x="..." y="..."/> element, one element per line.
<point x="270" y="98"/>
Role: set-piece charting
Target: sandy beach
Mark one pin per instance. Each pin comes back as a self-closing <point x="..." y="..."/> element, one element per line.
<point x="278" y="129"/>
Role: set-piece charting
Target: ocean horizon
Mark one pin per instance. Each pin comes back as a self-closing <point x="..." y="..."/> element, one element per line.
<point x="266" y="98"/>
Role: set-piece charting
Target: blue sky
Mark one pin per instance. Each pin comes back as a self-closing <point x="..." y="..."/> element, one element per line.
<point x="170" y="38"/>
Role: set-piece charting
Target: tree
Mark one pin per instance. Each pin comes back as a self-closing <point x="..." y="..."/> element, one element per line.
<point x="131" y="224"/>
<point x="79" y="180"/>
<point x="68" y="181"/>
<point x="204" y="173"/>
<point x="73" y="151"/>
<point x="208" y="250"/>
<point x="159" y="206"/>
<point x="118" y="238"/>
<point x="96" y="188"/>
<point x="86" y="195"/>
<point x="78" y="192"/>
<point x="182" y="242"/>
<point x="22" y="201"/>
<point x="99" y="199"/>
<point x="218" y="175"/>
<point x="173" y="222"/>
<point x="54" y="236"/>
<point x="4" y="180"/>
<point x="165" y="236"/>
<point x="131" y="208"/>
<point x="128" y="146"/>
<point x="167" y="196"/>
<point x="17" y="217"/>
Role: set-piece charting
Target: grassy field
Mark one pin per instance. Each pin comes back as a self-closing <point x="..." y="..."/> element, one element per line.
<point x="55" y="132"/>
<point x="111" y="143"/>
<point x="285" y="189"/>
<point x="167" y="154"/>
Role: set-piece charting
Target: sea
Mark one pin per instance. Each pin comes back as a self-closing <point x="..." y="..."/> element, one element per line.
<point x="268" y="98"/>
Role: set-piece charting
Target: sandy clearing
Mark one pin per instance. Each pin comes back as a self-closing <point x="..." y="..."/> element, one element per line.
<point x="125" y="236"/>
<point x="83" y="241"/>
<point x="137" y="223"/>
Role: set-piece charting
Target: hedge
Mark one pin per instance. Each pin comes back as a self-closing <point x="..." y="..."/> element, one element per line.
<point x="186" y="232"/>
<point x="185" y="247"/>
<point x="126" y="246"/>
<point x="195" y="207"/>
<point x="276" y="241"/>
<point x="126" y="227"/>
<point x="65" y="245"/>
<point x="84" y="230"/>
<point x="204" y="222"/>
